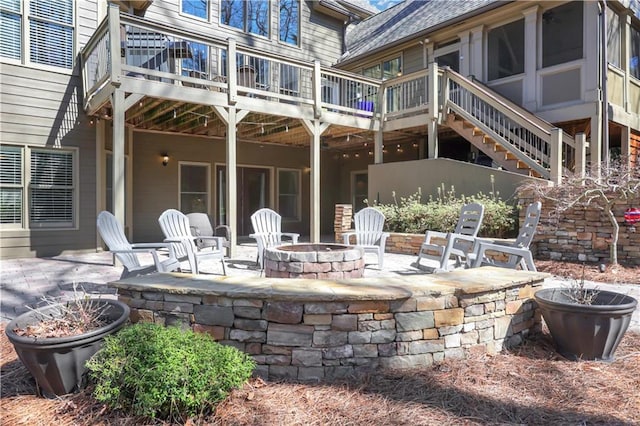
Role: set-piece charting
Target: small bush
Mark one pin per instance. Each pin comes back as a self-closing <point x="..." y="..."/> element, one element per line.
<point x="166" y="372"/>
<point x="411" y="215"/>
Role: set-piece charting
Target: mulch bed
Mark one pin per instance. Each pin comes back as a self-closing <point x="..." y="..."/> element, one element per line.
<point x="530" y="384"/>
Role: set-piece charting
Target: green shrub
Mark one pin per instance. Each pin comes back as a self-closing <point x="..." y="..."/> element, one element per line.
<point x="166" y="372"/>
<point x="441" y="213"/>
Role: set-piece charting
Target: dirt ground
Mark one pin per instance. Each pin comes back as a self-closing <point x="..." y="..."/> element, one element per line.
<point x="616" y="274"/>
<point x="530" y="384"/>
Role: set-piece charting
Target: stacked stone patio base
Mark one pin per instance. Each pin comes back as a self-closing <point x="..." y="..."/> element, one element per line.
<point x="316" y="330"/>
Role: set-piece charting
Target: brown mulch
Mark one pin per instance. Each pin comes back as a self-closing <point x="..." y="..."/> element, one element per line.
<point x="616" y="274"/>
<point x="530" y="384"/>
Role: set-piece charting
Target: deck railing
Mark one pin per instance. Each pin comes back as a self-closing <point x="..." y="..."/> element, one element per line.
<point x="129" y="46"/>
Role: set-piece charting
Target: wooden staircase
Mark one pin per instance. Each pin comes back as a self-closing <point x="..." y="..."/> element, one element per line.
<point x="492" y="147"/>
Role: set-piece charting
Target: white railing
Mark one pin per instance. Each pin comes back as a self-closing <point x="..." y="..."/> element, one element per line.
<point x="160" y="53"/>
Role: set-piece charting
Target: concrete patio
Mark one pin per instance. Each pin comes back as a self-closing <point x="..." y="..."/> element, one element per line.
<point x="24" y="282"/>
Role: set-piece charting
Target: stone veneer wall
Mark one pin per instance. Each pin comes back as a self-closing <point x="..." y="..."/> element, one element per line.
<point x="582" y="235"/>
<point x="327" y="339"/>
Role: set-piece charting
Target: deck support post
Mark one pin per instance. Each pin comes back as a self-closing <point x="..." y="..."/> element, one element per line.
<point x="434" y="109"/>
<point x="117" y="102"/>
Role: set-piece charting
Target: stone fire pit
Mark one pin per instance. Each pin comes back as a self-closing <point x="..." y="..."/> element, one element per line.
<point x="320" y="261"/>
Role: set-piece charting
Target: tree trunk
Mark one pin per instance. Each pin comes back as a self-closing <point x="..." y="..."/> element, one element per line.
<point x="613" y="248"/>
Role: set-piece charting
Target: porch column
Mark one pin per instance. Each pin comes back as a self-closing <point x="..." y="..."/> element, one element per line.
<point x="432" y="124"/>
<point x="117" y="101"/>
<point x="625" y="145"/>
<point x="232" y="183"/>
<point x="595" y="145"/>
<point x="530" y="58"/>
<point x="315" y="129"/>
<point x="474" y="60"/>
<point x="581" y="154"/>
<point x="100" y="171"/>
<point x="556" y="155"/>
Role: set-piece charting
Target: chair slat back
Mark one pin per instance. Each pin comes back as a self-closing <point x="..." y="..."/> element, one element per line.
<point x="528" y="228"/>
<point x="470" y="219"/>
<point x="201" y="222"/>
<point x="175" y="224"/>
<point x="369" y="224"/>
<point x="112" y="234"/>
<point x="266" y="221"/>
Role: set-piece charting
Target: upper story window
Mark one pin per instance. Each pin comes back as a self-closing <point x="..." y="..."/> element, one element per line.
<point x="290" y="21"/>
<point x="505" y="50"/>
<point x="562" y="34"/>
<point x="634" y="60"/>
<point x="251" y="16"/>
<point x="197" y="8"/>
<point x="50" y="29"/>
<point x="613" y="38"/>
<point x="385" y="70"/>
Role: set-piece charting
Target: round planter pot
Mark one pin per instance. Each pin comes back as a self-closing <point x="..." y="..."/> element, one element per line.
<point x="58" y="363"/>
<point x="586" y="332"/>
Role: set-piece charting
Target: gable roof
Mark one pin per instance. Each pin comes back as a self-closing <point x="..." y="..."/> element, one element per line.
<point x="408" y="20"/>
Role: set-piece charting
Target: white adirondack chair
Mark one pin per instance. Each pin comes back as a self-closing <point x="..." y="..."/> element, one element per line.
<point x="440" y="246"/>
<point x="201" y="227"/>
<point x="267" y="231"/>
<point x="177" y="230"/>
<point x="112" y="234"/>
<point x="517" y="253"/>
<point x="368" y="233"/>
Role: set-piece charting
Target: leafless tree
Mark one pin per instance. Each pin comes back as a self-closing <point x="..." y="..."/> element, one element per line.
<point x="615" y="183"/>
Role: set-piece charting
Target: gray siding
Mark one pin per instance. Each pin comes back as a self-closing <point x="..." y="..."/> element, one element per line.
<point x="321" y="35"/>
<point x="42" y="108"/>
<point x="412" y="59"/>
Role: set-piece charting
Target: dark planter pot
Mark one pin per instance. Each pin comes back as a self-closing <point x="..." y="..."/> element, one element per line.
<point x="586" y="332"/>
<point x="58" y="363"/>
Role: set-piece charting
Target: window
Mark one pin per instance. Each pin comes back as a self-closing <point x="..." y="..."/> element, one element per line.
<point x="384" y="70"/>
<point x="194" y="188"/>
<point x="613" y="38"/>
<point x="251" y="16"/>
<point x="289" y="194"/>
<point x="634" y="60"/>
<point x="11" y="185"/>
<point x="46" y="183"/>
<point x="290" y="21"/>
<point x="50" y="27"/>
<point x="197" y="8"/>
<point x="359" y="189"/>
<point x="505" y="50"/>
<point x="562" y="34"/>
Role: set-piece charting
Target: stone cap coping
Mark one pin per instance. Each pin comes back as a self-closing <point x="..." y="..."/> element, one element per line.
<point x="460" y="282"/>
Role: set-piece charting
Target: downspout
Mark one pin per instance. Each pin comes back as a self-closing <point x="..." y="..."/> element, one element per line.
<point x="603" y="82"/>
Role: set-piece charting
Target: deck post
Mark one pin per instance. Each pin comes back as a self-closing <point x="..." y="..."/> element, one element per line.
<point x="114" y="44"/>
<point x="117" y="102"/>
<point x="232" y="78"/>
<point x="581" y="154"/>
<point x="232" y="182"/>
<point x="556" y="155"/>
<point x="434" y="108"/>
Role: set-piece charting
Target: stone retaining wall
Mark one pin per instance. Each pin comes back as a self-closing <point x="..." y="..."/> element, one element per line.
<point x="312" y="330"/>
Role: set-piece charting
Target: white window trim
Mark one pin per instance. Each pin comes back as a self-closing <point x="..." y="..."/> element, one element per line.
<point x="284" y="43"/>
<point x="23" y="186"/>
<point x="194" y="17"/>
<point x="298" y="218"/>
<point x="200" y="164"/>
<point x="578" y="64"/>
<point x="243" y="30"/>
<point x="25" y="57"/>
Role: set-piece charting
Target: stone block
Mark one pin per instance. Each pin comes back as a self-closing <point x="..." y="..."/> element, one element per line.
<point x="365" y="351"/>
<point x="448" y="317"/>
<point x="307" y="357"/>
<point x="430" y="334"/>
<point x="330" y="338"/>
<point x="474" y="310"/>
<point x="409" y="336"/>
<point x="375" y="306"/>
<point x="283" y="312"/>
<point x="277" y="360"/>
<point x="430" y="303"/>
<point x="414" y="320"/>
<point x="513" y="307"/>
<point x="213" y="315"/>
<point x="454" y="353"/>
<point x="339" y="373"/>
<point x="380" y="317"/>
<point x="359" y="337"/>
<point x="426" y="346"/>
<point x="253" y="348"/>
<point x="248" y="336"/>
<point x="450" y="329"/>
<point x="290" y="335"/>
<point x="182" y="298"/>
<point x="452" y="341"/>
<point x="251" y="303"/>
<point x="283" y="372"/>
<point x="175" y="307"/>
<point x="247" y="312"/>
<point x="276" y="350"/>
<point x="251" y="325"/>
<point x="469" y="338"/>
<point x="325" y="308"/>
<point x="383" y="336"/>
<point x="317" y="319"/>
<point x="501" y="327"/>
<point x="217" y="332"/>
<point x="346" y="322"/>
<point x="387" y="349"/>
<point x="338" y="352"/>
<point x="369" y="325"/>
<point x="406" y="305"/>
<point x="485" y="335"/>
<point x="311" y="374"/>
<point x="316" y="267"/>
<point x="406" y="361"/>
